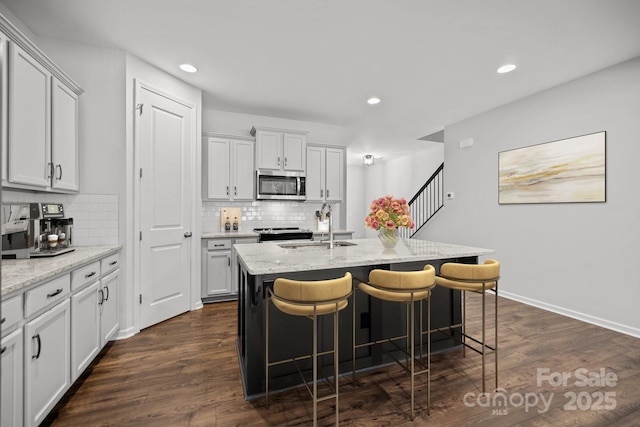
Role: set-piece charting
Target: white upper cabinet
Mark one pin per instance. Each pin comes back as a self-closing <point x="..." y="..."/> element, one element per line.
<point x="280" y="149"/>
<point x="64" y="137"/>
<point x="39" y="118"/>
<point x="229" y="168"/>
<point x="325" y="173"/>
<point x="29" y="120"/>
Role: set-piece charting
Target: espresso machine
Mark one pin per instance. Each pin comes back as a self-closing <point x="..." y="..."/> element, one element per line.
<point x="31" y="230"/>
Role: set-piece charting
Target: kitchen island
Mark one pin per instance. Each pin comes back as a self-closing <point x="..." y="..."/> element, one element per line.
<point x="260" y="264"/>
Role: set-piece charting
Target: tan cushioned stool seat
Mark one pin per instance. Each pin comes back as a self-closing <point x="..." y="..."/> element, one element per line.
<point x="302" y="295"/>
<point x="396" y="281"/>
<point x="473" y="276"/>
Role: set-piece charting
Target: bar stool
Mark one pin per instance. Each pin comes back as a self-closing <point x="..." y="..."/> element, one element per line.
<point x="309" y="299"/>
<point x="478" y="278"/>
<point x="406" y="287"/>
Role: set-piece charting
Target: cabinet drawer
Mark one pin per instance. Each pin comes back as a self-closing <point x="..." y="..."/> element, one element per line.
<point x="84" y="275"/>
<point x="11" y="313"/>
<point x="214" y="245"/>
<point x="46" y="294"/>
<point x="110" y="263"/>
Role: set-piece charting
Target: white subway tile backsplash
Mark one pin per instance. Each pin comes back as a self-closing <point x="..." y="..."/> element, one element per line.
<point x="95" y="216"/>
<point x="266" y="214"/>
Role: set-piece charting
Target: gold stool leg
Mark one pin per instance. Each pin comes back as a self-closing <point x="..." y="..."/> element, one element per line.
<point x="495" y="344"/>
<point x="336" y="360"/>
<point x="315" y="368"/>
<point x="266" y="353"/>
<point x="484" y="343"/>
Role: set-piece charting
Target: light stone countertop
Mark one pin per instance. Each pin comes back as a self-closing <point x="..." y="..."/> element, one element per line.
<point x="269" y="258"/>
<point x="21" y="273"/>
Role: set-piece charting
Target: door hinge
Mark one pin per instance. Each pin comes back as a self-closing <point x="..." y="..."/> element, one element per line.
<point x="139" y="108"/>
<point x="140" y="298"/>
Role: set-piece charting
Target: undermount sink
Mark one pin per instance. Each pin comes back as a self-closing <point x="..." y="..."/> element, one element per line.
<point x="324" y="244"/>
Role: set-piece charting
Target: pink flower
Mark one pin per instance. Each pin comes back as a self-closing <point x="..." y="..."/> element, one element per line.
<point x="387" y="212"/>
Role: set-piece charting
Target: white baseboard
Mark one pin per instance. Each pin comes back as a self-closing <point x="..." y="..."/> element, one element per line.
<point x="614" y="326"/>
<point x="126" y="333"/>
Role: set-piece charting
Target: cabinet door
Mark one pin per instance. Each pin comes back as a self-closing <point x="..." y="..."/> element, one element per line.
<point x="334" y="173"/>
<point x="11" y="392"/>
<point x="315" y="173"/>
<point x="294" y="152"/>
<point x="218" y="169"/>
<point x="243" y="170"/>
<point x="3" y="104"/>
<point x="218" y="279"/>
<point x="269" y="150"/>
<point x="47" y="362"/>
<point x="85" y="328"/>
<point x="29" y="120"/>
<point x="64" y="137"/>
<point x="109" y="323"/>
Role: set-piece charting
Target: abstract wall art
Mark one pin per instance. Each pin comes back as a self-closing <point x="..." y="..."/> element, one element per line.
<point x="571" y="170"/>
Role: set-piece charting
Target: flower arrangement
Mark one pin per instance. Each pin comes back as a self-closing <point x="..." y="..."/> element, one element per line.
<point x="387" y="213"/>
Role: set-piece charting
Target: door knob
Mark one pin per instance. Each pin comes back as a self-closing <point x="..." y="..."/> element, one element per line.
<point x="188" y="234"/>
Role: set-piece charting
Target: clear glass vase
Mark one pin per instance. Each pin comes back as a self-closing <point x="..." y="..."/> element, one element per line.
<point x="388" y="238"/>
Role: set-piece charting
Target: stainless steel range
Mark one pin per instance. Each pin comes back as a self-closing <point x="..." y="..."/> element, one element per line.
<point x="268" y="234"/>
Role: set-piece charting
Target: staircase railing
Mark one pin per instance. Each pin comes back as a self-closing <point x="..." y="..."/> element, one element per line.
<point x="426" y="202"/>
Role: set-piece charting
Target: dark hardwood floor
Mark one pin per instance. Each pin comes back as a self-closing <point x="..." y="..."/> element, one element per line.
<point x="184" y="372"/>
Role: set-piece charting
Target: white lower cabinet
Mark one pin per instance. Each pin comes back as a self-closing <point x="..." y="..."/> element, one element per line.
<point x="47" y="362"/>
<point x="11" y="393"/>
<point x="85" y="328"/>
<point x="217" y="269"/>
<point x="109" y="323"/>
<point x="51" y="333"/>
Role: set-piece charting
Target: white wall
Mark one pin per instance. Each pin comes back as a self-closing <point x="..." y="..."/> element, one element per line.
<point x="576" y="259"/>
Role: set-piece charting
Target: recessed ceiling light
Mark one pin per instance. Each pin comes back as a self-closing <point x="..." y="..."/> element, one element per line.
<point x="373" y="101"/>
<point x="506" y="68"/>
<point x="188" y="68"/>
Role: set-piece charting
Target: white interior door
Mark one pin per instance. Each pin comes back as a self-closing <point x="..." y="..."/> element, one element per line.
<point x="166" y="134"/>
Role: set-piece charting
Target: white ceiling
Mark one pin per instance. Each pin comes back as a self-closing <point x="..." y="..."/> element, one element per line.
<point x="432" y="62"/>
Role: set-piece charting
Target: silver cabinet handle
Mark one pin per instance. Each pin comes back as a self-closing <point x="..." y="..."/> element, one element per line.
<point x="59" y="167"/>
<point x="321" y="193"/>
<point x="285" y="161"/>
<point x="50" y="173"/>
<point x="107" y="297"/>
<point x="235" y="190"/>
<point x="327" y="192"/>
<point x="101" y="292"/>
<point x="278" y="160"/>
<point x="227" y="190"/>
<point x="188" y="234"/>
<point x="93" y="273"/>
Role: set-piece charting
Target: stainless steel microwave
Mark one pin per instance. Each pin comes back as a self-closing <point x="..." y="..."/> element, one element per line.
<point x="278" y="185"/>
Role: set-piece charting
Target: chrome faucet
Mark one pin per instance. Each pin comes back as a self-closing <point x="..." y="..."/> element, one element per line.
<point x="330" y="215"/>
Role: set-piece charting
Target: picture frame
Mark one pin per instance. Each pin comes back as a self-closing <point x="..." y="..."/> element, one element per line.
<point x="571" y="170"/>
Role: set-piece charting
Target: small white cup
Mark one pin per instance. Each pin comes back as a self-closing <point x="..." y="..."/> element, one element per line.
<point x="53" y="240"/>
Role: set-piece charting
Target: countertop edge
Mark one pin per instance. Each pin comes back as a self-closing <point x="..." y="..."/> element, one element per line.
<point x="17" y="284"/>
